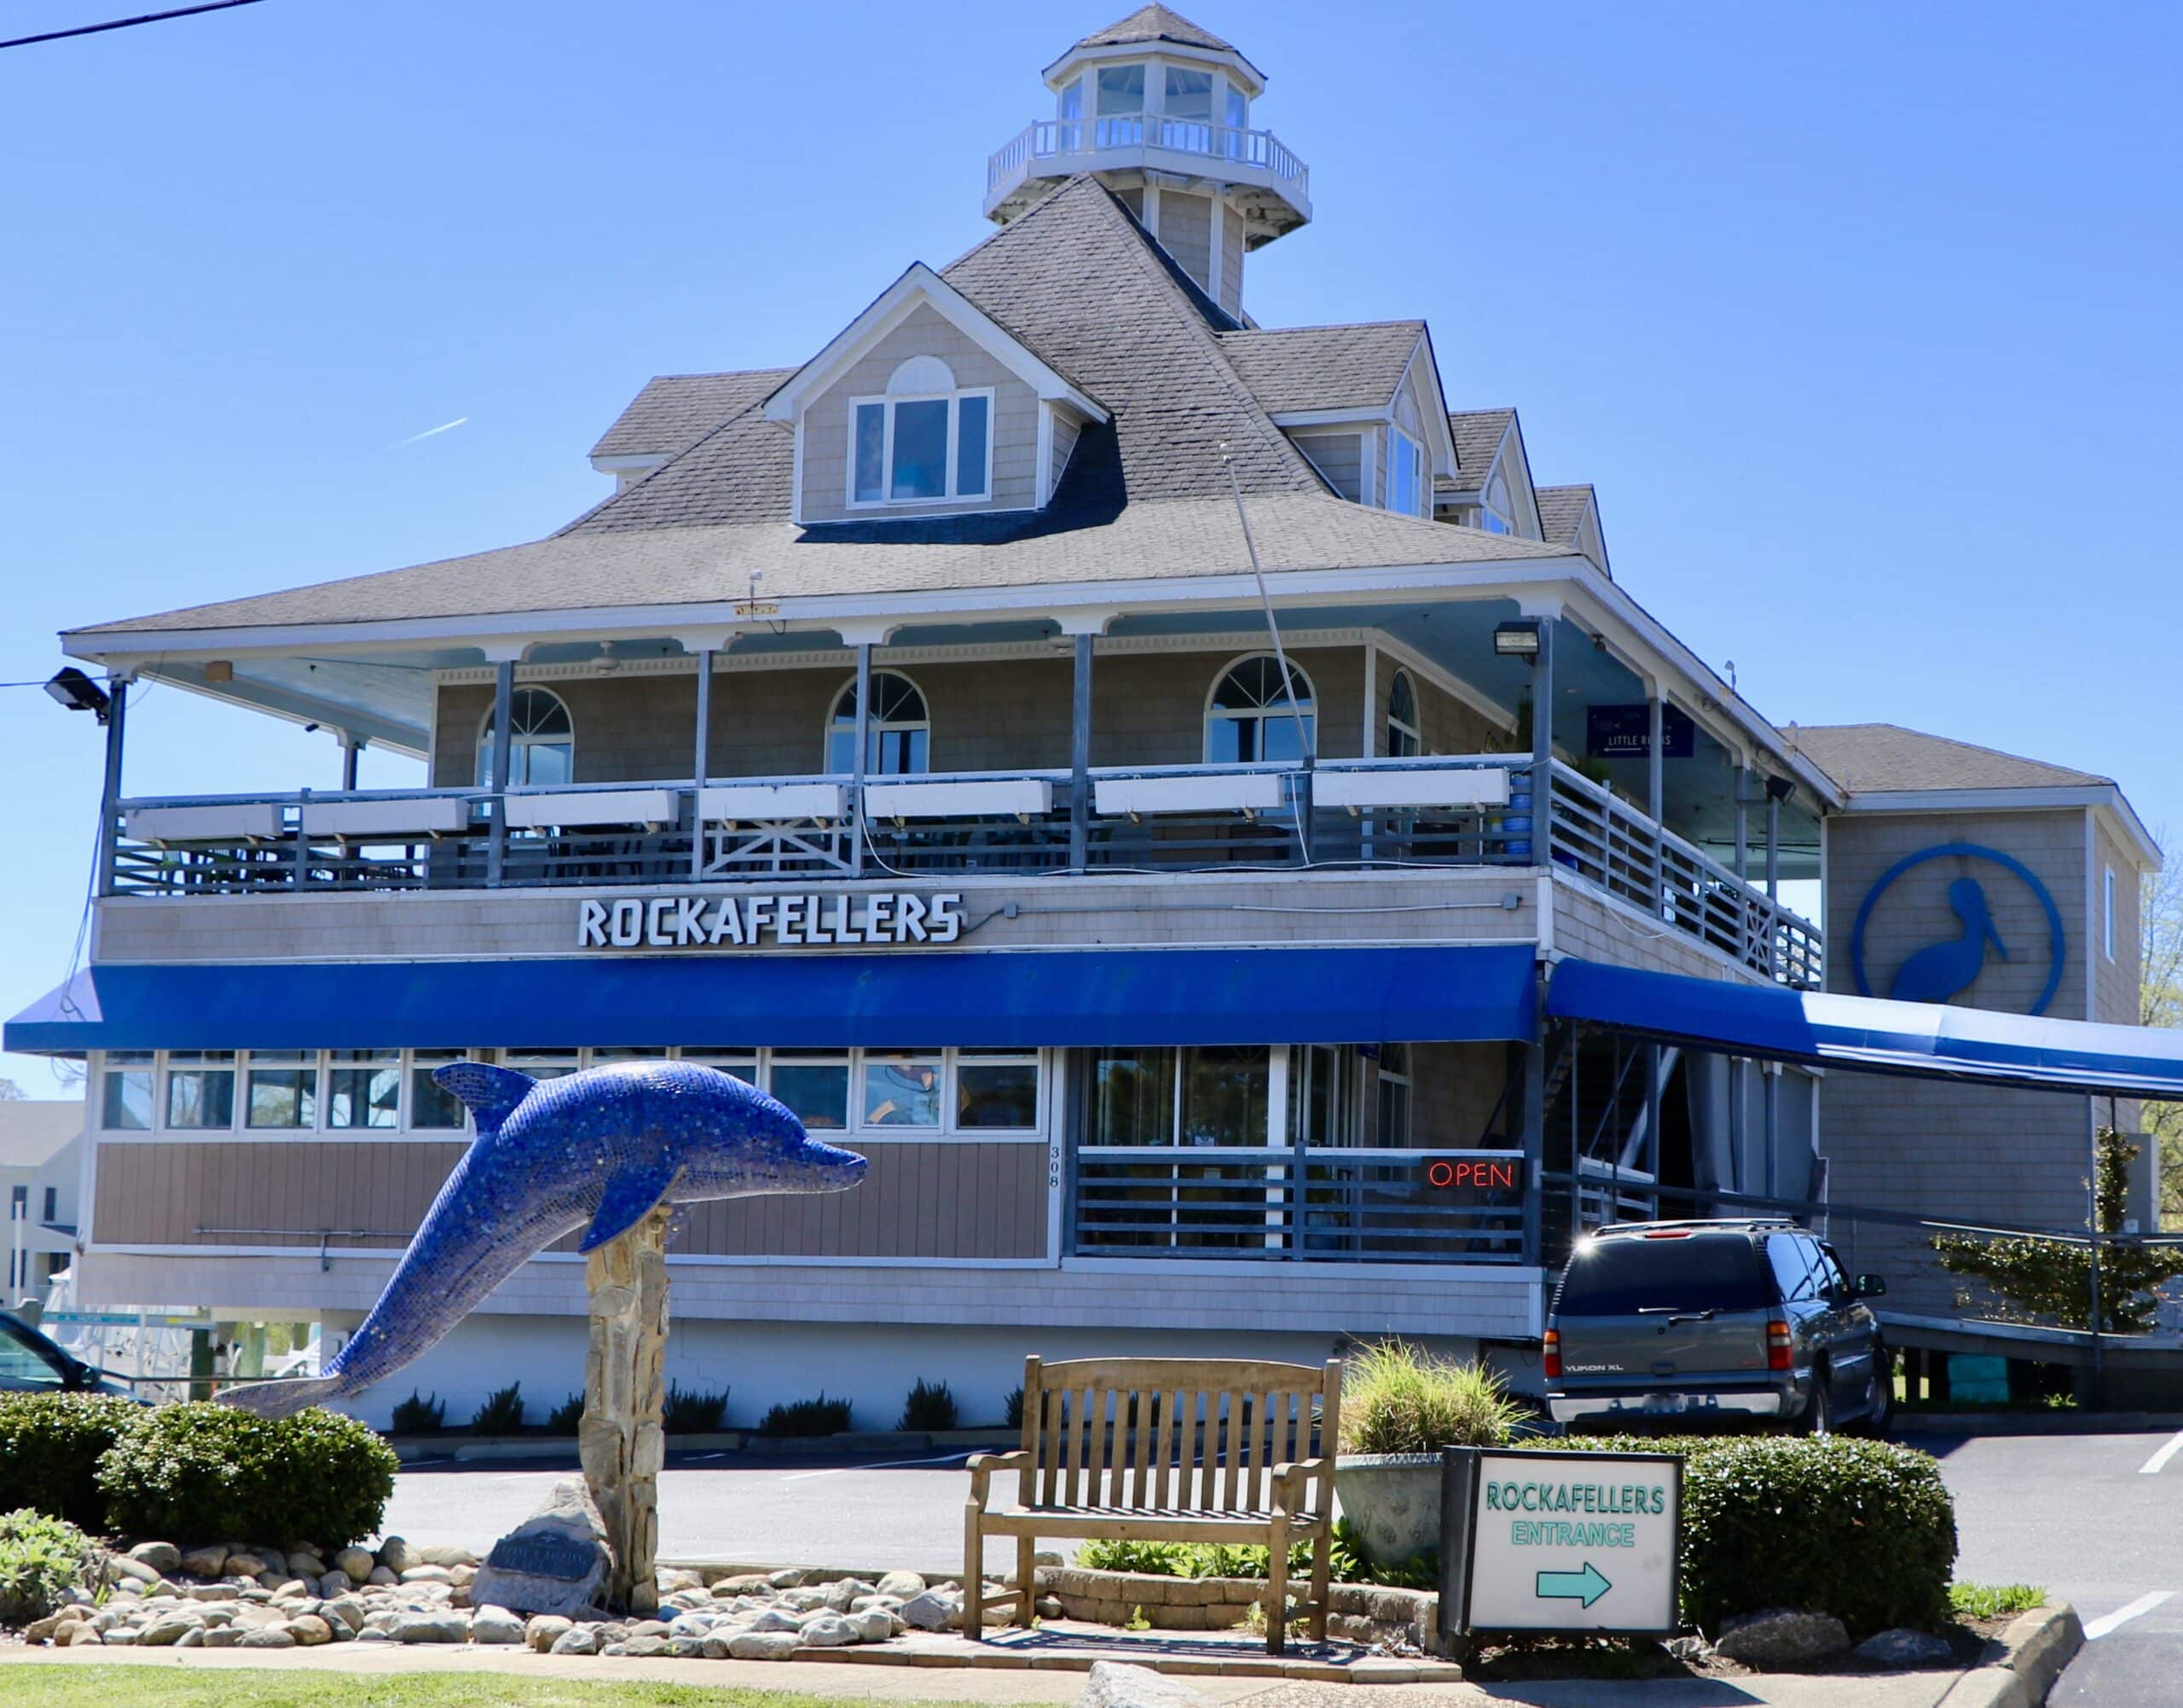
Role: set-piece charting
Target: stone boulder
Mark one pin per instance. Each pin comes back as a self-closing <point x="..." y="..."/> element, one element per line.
<point x="546" y="1629"/>
<point x="935" y="1610"/>
<point x="1899" y="1650"/>
<point x="431" y="1627"/>
<point x="496" y="1625"/>
<point x="901" y="1585"/>
<point x="205" y="1562"/>
<point x="763" y="1645"/>
<point x="577" y="1640"/>
<point x="555" y="1561"/>
<point x="1115" y="1684"/>
<point x="1781" y="1638"/>
<point x="272" y="1637"/>
<point x="162" y="1557"/>
<point x="355" y="1562"/>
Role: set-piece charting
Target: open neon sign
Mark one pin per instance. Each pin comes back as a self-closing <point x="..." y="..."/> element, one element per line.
<point x="1473" y="1173"/>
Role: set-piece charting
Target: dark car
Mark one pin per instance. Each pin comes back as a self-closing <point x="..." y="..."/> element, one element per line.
<point x="31" y="1363"/>
<point x="1714" y="1321"/>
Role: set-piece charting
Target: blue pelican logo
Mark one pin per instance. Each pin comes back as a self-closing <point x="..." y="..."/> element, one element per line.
<point x="1938" y="971"/>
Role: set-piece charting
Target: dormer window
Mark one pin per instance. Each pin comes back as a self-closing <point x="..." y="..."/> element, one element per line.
<point x="924" y="442"/>
<point x="1410" y="487"/>
<point x="1497" y="517"/>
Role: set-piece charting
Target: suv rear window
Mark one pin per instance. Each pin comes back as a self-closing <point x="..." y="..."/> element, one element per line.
<point x="1619" y="1278"/>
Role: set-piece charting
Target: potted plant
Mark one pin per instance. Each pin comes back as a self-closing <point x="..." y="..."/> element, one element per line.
<point x="1400" y="1405"/>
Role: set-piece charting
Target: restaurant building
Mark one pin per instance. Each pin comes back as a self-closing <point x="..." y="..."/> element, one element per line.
<point x="1176" y="794"/>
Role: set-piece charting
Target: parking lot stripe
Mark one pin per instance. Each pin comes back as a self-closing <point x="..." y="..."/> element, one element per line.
<point x="2145" y="1604"/>
<point x="890" y="1465"/>
<point x="2151" y="1467"/>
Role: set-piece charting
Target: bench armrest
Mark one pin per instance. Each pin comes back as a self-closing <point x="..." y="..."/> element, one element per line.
<point x="1289" y="1481"/>
<point x="983" y="1465"/>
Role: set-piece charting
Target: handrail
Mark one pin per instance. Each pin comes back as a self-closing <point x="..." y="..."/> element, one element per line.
<point x="1046" y="138"/>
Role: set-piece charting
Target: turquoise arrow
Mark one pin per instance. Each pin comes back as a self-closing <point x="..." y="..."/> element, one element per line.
<point x="1586" y="1586"/>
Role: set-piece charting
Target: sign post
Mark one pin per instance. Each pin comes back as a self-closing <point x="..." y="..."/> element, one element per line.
<point x="1557" y="1543"/>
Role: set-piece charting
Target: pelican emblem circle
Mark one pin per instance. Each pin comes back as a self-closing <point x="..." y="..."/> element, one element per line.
<point x="1943" y="969"/>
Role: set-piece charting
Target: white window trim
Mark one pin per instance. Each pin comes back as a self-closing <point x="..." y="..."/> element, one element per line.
<point x="877" y="725"/>
<point x="1414" y="731"/>
<point x="2107" y="920"/>
<point x="1308" y="702"/>
<point x="954" y="494"/>
<point x="1422" y="476"/>
<point x="518" y="740"/>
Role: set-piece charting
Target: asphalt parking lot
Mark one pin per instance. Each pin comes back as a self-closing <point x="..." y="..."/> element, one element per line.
<point x="2090" y="1518"/>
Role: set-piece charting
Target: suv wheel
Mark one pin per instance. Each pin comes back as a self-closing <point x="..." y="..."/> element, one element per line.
<point x="1880" y="1394"/>
<point x="1819" y="1415"/>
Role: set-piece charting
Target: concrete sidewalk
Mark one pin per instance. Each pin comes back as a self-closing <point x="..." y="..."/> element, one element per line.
<point x="1000" y="1686"/>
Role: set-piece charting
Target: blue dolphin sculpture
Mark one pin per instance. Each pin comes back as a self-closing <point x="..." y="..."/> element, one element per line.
<point x="596" y="1150"/>
<point x="1937" y="971"/>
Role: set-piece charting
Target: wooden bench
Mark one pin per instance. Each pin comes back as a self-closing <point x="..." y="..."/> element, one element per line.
<point x="1168" y="1450"/>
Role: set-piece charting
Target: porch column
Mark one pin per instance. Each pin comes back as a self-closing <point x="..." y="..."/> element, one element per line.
<point x="701" y="762"/>
<point x="1656" y="804"/>
<point x="117" y="714"/>
<point x="503" y="707"/>
<point x="1773" y="843"/>
<point x="1543" y="745"/>
<point x="1534" y="1132"/>
<point x="1743" y="828"/>
<point x="1080" y="760"/>
<point x="351" y="746"/>
<point x="863" y="740"/>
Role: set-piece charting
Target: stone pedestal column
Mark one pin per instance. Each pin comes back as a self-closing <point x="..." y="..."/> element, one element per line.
<point x="622" y="1438"/>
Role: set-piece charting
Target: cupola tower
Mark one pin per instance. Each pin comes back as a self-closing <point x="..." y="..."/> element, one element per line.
<point x="1160" y="110"/>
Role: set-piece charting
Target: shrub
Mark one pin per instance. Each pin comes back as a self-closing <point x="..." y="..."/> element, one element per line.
<point x="820" y="1416"/>
<point x="1858" y="1529"/>
<point x="1992" y="1600"/>
<point x="929" y="1406"/>
<point x="501" y="1414"/>
<point x="40" y="1557"/>
<point x="1246" y="1559"/>
<point x="201" y="1470"/>
<point x="417" y="1416"/>
<point x="1013" y="1417"/>
<point x="565" y="1418"/>
<point x="1399" y="1398"/>
<point x="695" y="1412"/>
<point x="51" y="1445"/>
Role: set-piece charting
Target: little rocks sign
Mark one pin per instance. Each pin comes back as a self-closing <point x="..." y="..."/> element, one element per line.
<point x="708" y="921"/>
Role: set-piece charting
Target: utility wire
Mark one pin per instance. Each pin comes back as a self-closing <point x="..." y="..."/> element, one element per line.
<point x="127" y="23"/>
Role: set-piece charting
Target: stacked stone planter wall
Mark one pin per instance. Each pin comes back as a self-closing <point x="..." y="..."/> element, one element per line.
<point x="1361" y="1612"/>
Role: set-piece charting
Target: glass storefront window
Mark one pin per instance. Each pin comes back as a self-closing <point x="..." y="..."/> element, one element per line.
<point x="658" y="1052"/>
<point x="814" y="1084"/>
<point x="545" y="1064"/>
<point x="1394" y="1101"/>
<point x="364" y="1088"/>
<point x="1224" y="1089"/>
<point x="901" y="1088"/>
<point x="1322" y="1106"/>
<point x="126" y="1096"/>
<point x="283" y="1090"/>
<point x="996" y="1089"/>
<point x="742" y="1063"/>
<point x="432" y="1109"/>
<point x="201" y="1089"/>
<point x="1133" y="1098"/>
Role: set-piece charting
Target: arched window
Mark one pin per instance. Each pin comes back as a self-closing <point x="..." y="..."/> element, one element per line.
<point x="542" y="741"/>
<point x="1403" y="740"/>
<point x="1249" y="718"/>
<point x="900" y="744"/>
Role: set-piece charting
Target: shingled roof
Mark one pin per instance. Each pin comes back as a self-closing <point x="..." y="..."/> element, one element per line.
<point x="1157" y="24"/>
<point x="676" y="410"/>
<point x="1886" y="758"/>
<point x="1298" y="369"/>
<point x="1478" y="434"/>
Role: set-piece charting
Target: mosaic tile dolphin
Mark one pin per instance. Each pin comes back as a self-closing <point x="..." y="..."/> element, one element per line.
<point x="595" y="1150"/>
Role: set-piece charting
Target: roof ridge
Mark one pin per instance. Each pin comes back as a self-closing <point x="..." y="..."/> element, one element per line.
<point x="1326" y="325"/>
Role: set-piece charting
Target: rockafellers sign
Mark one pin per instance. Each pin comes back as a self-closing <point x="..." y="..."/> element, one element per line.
<point x="746" y="921"/>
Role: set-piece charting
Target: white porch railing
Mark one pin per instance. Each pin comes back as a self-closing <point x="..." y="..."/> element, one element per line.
<point x="1048" y="139"/>
<point x="1473" y="810"/>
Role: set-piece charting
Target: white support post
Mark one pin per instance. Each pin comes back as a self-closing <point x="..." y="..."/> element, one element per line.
<point x="701" y="762"/>
<point x="503" y="717"/>
<point x="352" y="747"/>
<point x="110" y="790"/>
<point x="1079" y="759"/>
<point x="863" y="739"/>
<point x="1656" y="790"/>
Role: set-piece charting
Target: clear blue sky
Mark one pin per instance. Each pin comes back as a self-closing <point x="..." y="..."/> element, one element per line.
<point x="1863" y="319"/>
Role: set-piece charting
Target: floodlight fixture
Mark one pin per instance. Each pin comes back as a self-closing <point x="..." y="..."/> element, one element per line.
<point x="1780" y="788"/>
<point x="1517" y="639"/>
<point x="77" y="692"/>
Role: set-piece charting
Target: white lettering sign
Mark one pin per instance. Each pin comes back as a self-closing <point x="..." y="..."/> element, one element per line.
<point x="746" y="921"/>
<point x="1574" y="1541"/>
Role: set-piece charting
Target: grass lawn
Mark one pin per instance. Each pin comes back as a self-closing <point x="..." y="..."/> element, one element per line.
<point x="167" y="1687"/>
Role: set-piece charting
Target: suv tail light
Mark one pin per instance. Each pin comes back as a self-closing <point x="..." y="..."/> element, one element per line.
<point x="1554" y="1355"/>
<point x="1777" y="1344"/>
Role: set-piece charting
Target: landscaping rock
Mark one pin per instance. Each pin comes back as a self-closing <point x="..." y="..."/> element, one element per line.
<point x="1900" y="1649"/>
<point x="239" y="1564"/>
<point x="192" y="1638"/>
<point x="44" y="1629"/>
<point x="873" y="1624"/>
<point x="1114" y="1684"/>
<point x="646" y="1647"/>
<point x="394" y="1554"/>
<point x="166" y="1631"/>
<point x="902" y="1585"/>
<point x="332" y="1583"/>
<point x="311" y="1630"/>
<point x="383" y="1576"/>
<point x="121" y="1636"/>
<point x="1696" y="1649"/>
<point x="272" y="1637"/>
<point x="496" y="1625"/>
<point x="788" y="1578"/>
<point x="427" y="1574"/>
<point x="763" y="1645"/>
<point x="357" y="1562"/>
<point x="211" y="1592"/>
<point x="555" y="1561"/>
<point x="134" y="1570"/>
<point x="935" y="1610"/>
<point x="431" y="1627"/>
<point x="1781" y="1637"/>
<point x="744" y="1583"/>
<point x="224" y="1636"/>
<point x="577" y="1640"/>
<point x="828" y="1631"/>
<point x="162" y="1557"/>
<point x="547" y="1629"/>
<point x="83" y="1636"/>
<point x="303" y="1563"/>
<point x="673" y="1579"/>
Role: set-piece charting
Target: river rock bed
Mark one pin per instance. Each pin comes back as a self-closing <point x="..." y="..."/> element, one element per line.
<point x="229" y="1597"/>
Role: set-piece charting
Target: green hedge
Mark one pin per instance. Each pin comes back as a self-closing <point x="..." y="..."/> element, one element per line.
<point x="200" y="1473"/>
<point x="1858" y="1529"/>
<point x="50" y="1447"/>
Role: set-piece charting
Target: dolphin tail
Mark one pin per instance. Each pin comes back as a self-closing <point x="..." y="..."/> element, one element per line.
<point x="280" y="1398"/>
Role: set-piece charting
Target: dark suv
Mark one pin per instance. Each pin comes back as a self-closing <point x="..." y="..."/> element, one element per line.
<point x="31" y="1363"/>
<point x="1705" y="1322"/>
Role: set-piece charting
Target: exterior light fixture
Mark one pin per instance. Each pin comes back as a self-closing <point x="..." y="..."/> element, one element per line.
<point x="77" y="692"/>
<point x="1517" y="639"/>
<point x="1780" y="788"/>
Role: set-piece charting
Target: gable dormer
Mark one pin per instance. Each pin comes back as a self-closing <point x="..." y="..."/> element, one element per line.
<point x="925" y="406"/>
<point x="1493" y="487"/>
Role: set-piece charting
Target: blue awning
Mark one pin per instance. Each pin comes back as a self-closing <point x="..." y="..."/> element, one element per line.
<point x="1120" y="997"/>
<point x="1869" y="1033"/>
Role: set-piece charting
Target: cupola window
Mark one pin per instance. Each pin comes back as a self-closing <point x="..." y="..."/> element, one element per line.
<point x="1187" y="122"/>
<point x="923" y="441"/>
<point x="1120" y="106"/>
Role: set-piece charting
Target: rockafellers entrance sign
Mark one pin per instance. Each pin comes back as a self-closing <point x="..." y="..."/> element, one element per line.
<point x="1559" y="1542"/>
<point x="745" y="922"/>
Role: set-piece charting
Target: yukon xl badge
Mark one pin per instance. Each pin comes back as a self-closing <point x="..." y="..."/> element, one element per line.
<point x="1594" y="1370"/>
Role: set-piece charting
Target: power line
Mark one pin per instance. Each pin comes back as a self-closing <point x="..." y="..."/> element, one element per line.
<point x="127" y="23"/>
